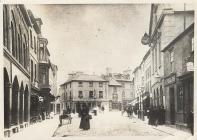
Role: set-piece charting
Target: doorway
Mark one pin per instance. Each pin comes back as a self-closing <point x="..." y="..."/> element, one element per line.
<point x="172" y="105"/>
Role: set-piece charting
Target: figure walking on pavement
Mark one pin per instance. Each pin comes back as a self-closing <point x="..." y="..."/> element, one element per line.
<point x="85" y="118"/>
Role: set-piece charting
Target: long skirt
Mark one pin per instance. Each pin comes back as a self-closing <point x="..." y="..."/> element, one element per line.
<point x="85" y="123"/>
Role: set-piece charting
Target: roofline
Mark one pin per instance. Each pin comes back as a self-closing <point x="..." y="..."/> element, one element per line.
<point x="151" y="15"/>
<point x="83" y="81"/>
<point x="136" y="69"/>
<point x="123" y="80"/>
<point x="35" y="25"/>
<point x="25" y="14"/>
<point x="178" y="37"/>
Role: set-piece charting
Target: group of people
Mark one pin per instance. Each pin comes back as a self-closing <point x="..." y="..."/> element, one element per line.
<point x="156" y="116"/>
<point x="129" y="111"/>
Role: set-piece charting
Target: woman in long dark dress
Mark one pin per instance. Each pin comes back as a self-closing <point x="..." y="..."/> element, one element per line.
<point x="85" y="119"/>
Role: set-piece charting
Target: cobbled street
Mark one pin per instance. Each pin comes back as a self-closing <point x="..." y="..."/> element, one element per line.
<point x="108" y="124"/>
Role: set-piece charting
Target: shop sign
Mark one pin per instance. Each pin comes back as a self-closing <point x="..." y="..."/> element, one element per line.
<point x="190" y="66"/>
<point x="41" y="99"/>
<point x="170" y="80"/>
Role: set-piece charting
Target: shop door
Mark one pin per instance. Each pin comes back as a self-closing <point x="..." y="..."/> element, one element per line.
<point x="172" y="106"/>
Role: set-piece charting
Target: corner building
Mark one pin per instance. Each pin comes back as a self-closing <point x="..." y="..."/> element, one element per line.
<point x="16" y="25"/>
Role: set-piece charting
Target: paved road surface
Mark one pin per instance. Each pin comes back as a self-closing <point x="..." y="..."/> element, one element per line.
<point x="109" y="124"/>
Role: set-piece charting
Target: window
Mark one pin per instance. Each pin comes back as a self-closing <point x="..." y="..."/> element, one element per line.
<point x="159" y="45"/>
<point x="41" y="45"/>
<point x="41" y="53"/>
<point x="100" y="94"/>
<point x="91" y="94"/>
<point x="31" y="39"/>
<point x="161" y="95"/>
<point x="123" y="85"/>
<point x="44" y="78"/>
<point x="31" y="71"/>
<point x="80" y="84"/>
<point x="35" y="45"/>
<point x="90" y="84"/>
<point x="123" y="94"/>
<point x="153" y="61"/>
<point x="172" y="61"/>
<point x="13" y="39"/>
<point x="180" y="99"/>
<point x="115" y="89"/>
<point x="80" y="94"/>
<point x="192" y="44"/>
<point x="156" y="58"/>
<point x="35" y="72"/>
<point x="115" y="97"/>
<point x="70" y="95"/>
<point x="100" y="84"/>
<point x="24" y="55"/>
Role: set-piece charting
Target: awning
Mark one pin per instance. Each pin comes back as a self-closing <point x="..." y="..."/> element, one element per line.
<point x="133" y="102"/>
<point x="145" y="97"/>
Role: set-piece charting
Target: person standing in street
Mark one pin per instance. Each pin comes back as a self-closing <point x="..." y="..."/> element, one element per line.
<point x="85" y="118"/>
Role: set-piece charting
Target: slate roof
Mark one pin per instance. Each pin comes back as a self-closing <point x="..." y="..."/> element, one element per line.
<point x="113" y="82"/>
<point x="86" y="77"/>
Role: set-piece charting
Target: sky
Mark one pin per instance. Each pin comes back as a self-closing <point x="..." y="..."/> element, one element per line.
<point x="90" y="38"/>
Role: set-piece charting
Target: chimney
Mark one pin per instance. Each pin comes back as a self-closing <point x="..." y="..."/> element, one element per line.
<point x="108" y="71"/>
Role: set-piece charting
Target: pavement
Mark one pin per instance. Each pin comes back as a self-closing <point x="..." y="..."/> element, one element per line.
<point x="40" y="130"/>
<point x="113" y="124"/>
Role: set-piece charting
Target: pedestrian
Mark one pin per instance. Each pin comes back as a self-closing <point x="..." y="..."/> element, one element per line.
<point x="156" y="116"/>
<point x="103" y="109"/>
<point x="190" y="121"/>
<point x="68" y="110"/>
<point x="85" y="118"/>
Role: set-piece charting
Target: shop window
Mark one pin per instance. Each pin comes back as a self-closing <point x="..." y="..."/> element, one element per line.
<point x="180" y="99"/>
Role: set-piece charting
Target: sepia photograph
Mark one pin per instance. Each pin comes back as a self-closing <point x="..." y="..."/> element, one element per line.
<point x="98" y="70"/>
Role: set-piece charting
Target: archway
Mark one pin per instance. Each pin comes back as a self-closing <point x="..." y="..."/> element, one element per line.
<point x="21" y="104"/>
<point x="7" y="87"/>
<point x="15" y="105"/>
<point x="26" y="103"/>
